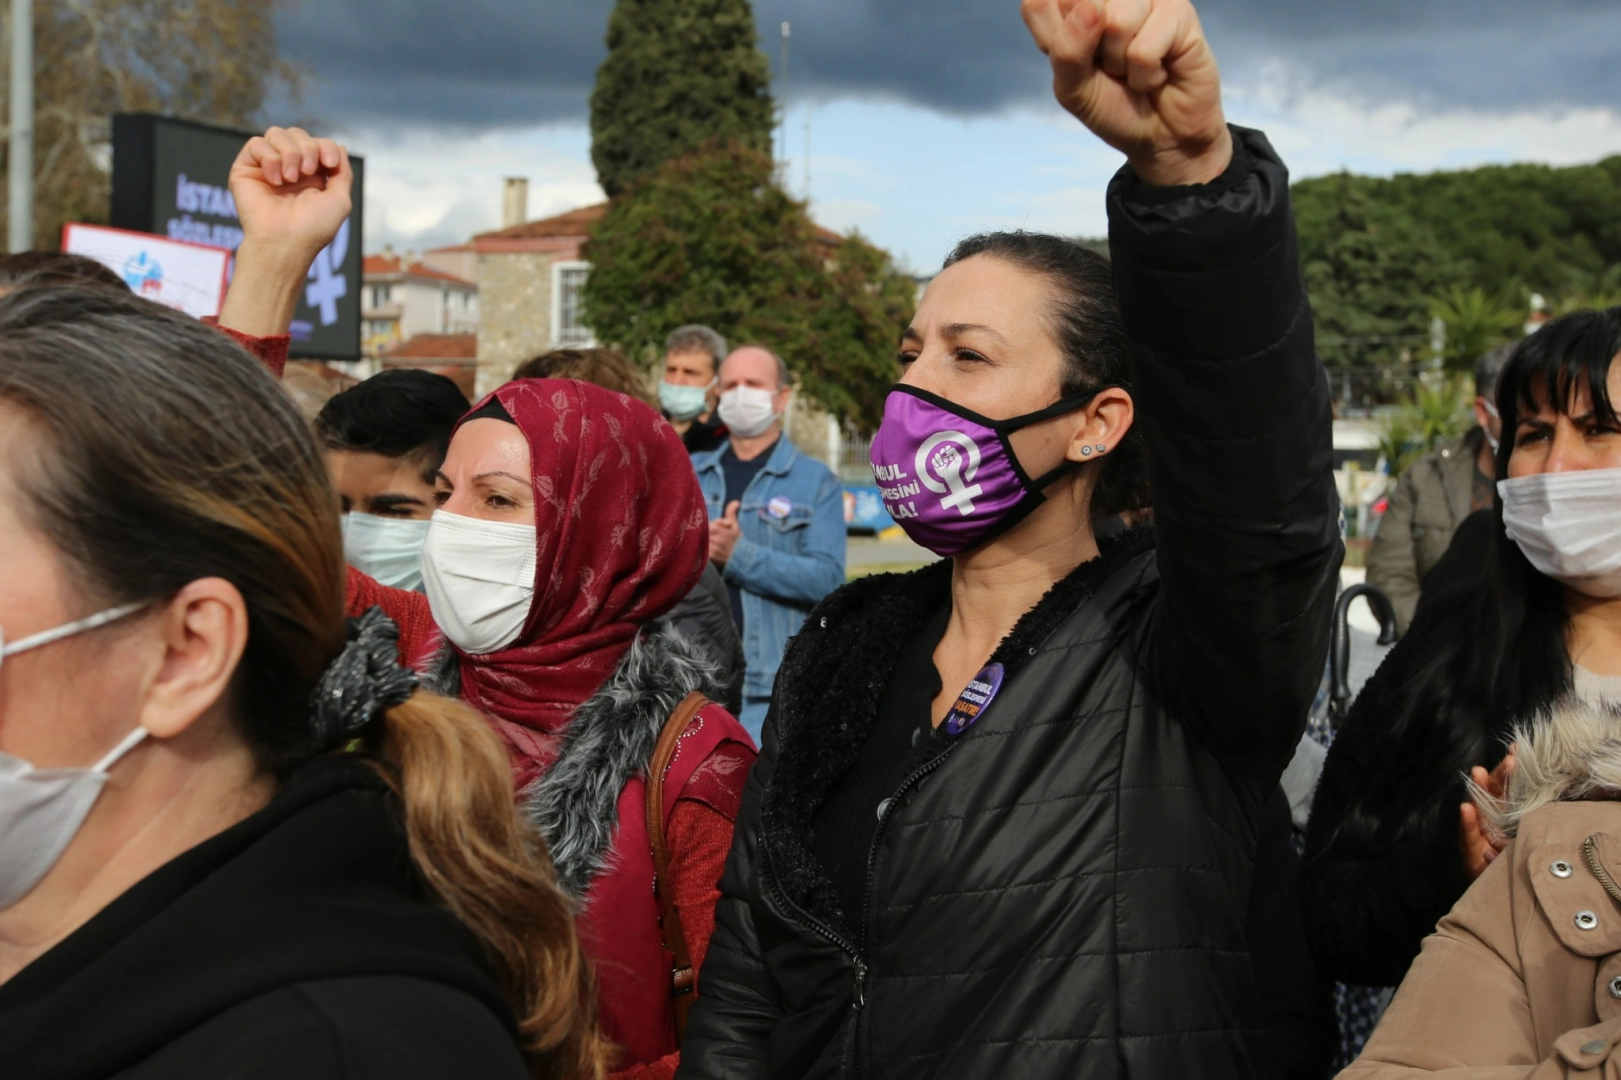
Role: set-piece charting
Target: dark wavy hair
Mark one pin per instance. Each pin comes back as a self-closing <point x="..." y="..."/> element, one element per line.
<point x="1090" y="333"/>
<point x="1498" y="652"/>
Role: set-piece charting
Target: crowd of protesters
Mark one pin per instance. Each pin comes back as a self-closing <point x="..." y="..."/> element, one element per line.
<point x="542" y="736"/>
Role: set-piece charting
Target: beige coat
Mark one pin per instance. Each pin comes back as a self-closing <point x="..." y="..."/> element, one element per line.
<point x="1522" y="979"/>
<point x="1430" y="501"/>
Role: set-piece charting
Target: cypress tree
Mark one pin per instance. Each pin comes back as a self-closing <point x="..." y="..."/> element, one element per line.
<point x="679" y="74"/>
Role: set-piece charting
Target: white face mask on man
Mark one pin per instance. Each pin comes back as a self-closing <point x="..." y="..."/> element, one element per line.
<point x="480" y="579"/>
<point x="389" y="549"/>
<point x="1568" y="524"/>
<point x="42" y="810"/>
<point x="748" y="410"/>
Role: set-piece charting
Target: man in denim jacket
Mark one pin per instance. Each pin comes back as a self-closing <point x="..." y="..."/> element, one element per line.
<point x="776" y="520"/>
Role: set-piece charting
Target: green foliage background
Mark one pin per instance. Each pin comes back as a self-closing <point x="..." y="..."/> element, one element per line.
<point x="711" y="238"/>
<point x="679" y="74"/>
<point x="1377" y="252"/>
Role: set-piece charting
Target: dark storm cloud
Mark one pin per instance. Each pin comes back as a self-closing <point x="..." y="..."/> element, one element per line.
<point x="462" y="63"/>
<point x="495" y="63"/>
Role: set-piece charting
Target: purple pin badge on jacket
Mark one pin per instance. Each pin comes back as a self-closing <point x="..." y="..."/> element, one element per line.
<point x="975" y="698"/>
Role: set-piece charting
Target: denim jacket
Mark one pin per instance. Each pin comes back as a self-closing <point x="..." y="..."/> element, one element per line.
<point x="790" y="553"/>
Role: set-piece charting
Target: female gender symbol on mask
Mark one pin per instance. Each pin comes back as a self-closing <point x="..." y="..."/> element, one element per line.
<point x="955" y="474"/>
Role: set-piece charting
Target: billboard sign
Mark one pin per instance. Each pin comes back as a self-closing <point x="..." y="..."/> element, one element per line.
<point x="187" y="277"/>
<point x="170" y="178"/>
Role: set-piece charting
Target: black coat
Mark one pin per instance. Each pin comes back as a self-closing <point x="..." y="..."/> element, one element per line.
<point x="1382" y="863"/>
<point x="1062" y="890"/>
<point x="294" y="944"/>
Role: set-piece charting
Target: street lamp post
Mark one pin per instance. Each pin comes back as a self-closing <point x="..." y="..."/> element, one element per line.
<point x="783" y="104"/>
<point x="20" y="160"/>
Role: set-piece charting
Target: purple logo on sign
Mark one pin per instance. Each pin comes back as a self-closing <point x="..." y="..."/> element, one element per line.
<point x="974" y="700"/>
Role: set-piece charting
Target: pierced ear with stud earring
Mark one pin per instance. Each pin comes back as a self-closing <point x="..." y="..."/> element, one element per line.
<point x="1102" y="448"/>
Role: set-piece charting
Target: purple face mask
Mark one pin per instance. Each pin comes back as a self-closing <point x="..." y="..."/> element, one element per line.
<point x="948" y="476"/>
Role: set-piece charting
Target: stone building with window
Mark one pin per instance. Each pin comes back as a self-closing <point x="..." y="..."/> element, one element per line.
<point x="530" y="277"/>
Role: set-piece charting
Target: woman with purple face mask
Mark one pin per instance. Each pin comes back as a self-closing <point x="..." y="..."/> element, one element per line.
<point x="1006" y="815"/>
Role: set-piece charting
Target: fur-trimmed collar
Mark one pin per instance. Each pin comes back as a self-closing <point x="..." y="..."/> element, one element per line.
<point x="1569" y="753"/>
<point x="867" y="622"/>
<point x="607" y="742"/>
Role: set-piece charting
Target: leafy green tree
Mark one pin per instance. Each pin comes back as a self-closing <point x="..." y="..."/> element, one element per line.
<point x="679" y="74"/>
<point x="1475" y="321"/>
<point x="210" y="60"/>
<point x="1368" y="271"/>
<point x="711" y="238"/>
<point x="1374" y="250"/>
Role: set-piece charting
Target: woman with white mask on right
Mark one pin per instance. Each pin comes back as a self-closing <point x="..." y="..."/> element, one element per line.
<point x="1383" y="860"/>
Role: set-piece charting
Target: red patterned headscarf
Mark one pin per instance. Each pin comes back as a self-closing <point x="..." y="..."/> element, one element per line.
<point x="621" y="535"/>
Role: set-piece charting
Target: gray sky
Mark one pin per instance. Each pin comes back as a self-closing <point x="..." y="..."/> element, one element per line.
<point x="478" y="64"/>
<point x="932" y="117"/>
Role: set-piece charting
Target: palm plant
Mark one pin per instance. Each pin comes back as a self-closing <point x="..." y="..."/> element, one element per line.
<point x="1475" y="321"/>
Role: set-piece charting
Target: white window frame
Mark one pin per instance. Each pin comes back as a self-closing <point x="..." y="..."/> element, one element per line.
<point x="558" y="340"/>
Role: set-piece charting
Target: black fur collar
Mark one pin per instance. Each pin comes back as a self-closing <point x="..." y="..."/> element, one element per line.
<point x="833" y="676"/>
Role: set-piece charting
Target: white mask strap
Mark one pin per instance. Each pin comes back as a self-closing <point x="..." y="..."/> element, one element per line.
<point x="45" y="637"/>
<point x="119" y="751"/>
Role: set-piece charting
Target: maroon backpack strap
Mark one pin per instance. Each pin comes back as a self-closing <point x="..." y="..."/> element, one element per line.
<point x="683" y="979"/>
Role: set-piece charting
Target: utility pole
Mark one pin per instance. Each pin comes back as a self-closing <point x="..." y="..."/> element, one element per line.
<point x="20" y="159"/>
<point x="786" y="30"/>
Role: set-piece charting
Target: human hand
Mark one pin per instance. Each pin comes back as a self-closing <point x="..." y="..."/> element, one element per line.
<point x="292" y="195"/>
<point x="1476" y="844"/>
<point x="292" y="190"/>
<point x="723" y="535"/>
<point x="1141" y="75"/>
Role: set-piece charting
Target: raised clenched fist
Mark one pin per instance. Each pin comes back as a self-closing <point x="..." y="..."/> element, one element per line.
<point x="292" y="189"/>
<point x="1141" y="75"/>
<point x="292" y="195"/>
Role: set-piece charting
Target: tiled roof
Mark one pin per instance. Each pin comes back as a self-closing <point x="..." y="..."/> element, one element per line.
<point x="574" y="223"/>
<point x="577" y="225"/>
<point x="393" y="264"/>
<point x="436" y="347"/>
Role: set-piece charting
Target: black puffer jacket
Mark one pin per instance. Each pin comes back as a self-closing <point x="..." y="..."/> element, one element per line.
<point x="1061" y="891"/>
<point x="297" y="943"/>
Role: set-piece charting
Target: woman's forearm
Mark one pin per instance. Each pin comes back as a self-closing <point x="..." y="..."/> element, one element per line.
<point x="265" y="288"/>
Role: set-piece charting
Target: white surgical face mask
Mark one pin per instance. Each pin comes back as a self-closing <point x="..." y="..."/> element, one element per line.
<point x="480" y="578"/>
<point x="41" y="810"/>
<point x="747" y="410"/>
<point x="1569" y="526"/>
<point x="683" y="402"/>
<point x="389" y="549"/>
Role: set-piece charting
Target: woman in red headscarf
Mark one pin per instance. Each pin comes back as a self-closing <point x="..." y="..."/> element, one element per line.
<point x="569" y="523"/>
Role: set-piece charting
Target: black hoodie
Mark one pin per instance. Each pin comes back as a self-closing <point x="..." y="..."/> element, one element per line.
<point x="297" y="943"/>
